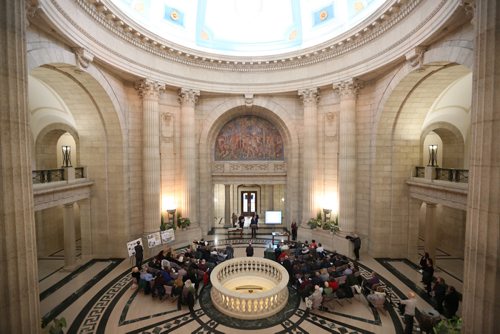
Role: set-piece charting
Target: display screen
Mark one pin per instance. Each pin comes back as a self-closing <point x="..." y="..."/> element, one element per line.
<point x="273" y="217"/>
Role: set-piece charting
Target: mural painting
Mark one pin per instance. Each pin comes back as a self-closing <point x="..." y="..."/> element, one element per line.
<point x="249" y="138"/>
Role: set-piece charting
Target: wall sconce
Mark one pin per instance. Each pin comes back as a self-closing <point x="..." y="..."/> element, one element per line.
<point x="66" y="155"/>
<point x="171" y="212"/>
<point x="327" y="212"/>
<point x="433" y="149"/>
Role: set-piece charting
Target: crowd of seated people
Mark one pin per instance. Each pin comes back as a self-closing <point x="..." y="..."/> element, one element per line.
<point x="178" y="276"/>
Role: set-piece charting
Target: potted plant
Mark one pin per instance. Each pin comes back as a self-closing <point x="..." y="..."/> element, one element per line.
<point x="163" y="225"/>
<point x="182" y="222"/>
<point x="449" y="326"/>
<point x="56" y="326"/>
<point x="315" y="222"/>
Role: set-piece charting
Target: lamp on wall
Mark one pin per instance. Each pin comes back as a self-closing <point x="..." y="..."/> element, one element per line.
<point x="433" y="149"/>
<point x="171" y="212"/>
<point x="66" y="155"/>
<point x="327" y="213"/>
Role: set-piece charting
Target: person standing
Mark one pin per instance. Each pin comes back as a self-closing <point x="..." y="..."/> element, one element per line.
<point x="254" y="226"/>
<point x="234" y="218"/>
<point x="139" y="253"/>
<point x="450" y="302"/>
<point x="439" y="293"/>
<point x="249" y="250"/>
<point x="294" y="231"/>
<point x="427" y="275"/>
<point x="229" y="251"/>
<point x="410" y="305"/>
<point x="356" y="240"/>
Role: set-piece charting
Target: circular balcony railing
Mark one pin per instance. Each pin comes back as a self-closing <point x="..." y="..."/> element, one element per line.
<point x="249" y="304"/>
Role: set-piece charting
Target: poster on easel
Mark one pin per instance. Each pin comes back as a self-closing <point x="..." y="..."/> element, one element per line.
<point x="167" y="236"/>
<point x="131" y="246"/>
<point x="154" y="239"/>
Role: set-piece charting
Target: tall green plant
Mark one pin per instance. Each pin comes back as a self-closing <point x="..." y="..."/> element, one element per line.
<point x="449" y="326"/>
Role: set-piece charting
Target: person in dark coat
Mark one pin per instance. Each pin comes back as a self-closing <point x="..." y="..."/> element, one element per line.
<point x="439" y="293"/>
<point x="427" y="275"/>
<point x="294" y="231"/>
<point x="249" y="250"/>
<point x="451" y="301"/>
<point x="138" y="254"/>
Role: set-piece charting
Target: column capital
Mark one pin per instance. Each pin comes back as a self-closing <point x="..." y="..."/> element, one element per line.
<point x="469" y="7"/>
<point x="148" y="88"/>
<point x="348" y="88"/>
<point x="188" y="96"/>
<point x="309" y="95"/>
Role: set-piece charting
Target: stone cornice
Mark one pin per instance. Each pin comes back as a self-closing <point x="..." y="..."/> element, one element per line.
<point x="102" y="13"/>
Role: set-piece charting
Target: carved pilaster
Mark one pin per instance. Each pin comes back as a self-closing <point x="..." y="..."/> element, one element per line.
<point x="188" y="98"/>
<point x="310" y="98"/>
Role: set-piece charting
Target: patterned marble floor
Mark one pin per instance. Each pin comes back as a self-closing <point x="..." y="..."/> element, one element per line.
<point x="97" y="299"/>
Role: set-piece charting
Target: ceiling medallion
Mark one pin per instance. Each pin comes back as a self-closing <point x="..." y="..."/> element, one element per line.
<point x="174" y="15"/>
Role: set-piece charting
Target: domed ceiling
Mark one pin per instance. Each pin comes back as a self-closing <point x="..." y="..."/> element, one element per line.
<point x="248" y="27"/>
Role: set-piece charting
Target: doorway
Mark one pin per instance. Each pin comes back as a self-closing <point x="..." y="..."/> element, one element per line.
<point x="248" y="203"/>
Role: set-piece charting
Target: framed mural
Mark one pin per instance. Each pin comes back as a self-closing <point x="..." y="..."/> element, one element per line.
<point x="249" y="138"/>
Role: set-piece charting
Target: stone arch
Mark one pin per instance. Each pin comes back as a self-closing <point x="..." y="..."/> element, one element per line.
<point x="45" y="153"/>
<point x="94" y="104"/>
<point x="396" y="149"/>
<point x="263" y="107"/>
<point x="453" y="143"/>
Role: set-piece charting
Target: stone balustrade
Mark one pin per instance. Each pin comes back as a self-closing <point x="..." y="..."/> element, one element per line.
<point x="253" y="305"/>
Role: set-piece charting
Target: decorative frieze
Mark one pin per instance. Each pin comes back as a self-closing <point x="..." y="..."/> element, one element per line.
<point x="253" y="168"/>
<point x="366" y="33"/>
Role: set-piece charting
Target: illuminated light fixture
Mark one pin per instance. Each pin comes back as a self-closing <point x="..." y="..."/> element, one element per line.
<point x="66" y="155"/>
<point x="433" y="149"/>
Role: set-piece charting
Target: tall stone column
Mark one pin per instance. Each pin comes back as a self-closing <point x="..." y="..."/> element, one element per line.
<point x="85" y="227"/>
<point x="188" y="99"/>
<point x="347" y="91"/>
<point x="481" y="290"/>
<point x="19" y="295"/>
<point x="430" y="230"/>
<point x="227" y="205"/>
<point x="69" y="236"/>
<point x="310" y="99"/>
<point x="151" y="188"/>
<point x="40" y="235"/>
<point x="413" y="227"/>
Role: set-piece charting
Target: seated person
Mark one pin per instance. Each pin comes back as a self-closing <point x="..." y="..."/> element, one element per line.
<point x="317" y="297"/>
<point x="372" y="282"/>
<point x="377" y="298"/>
